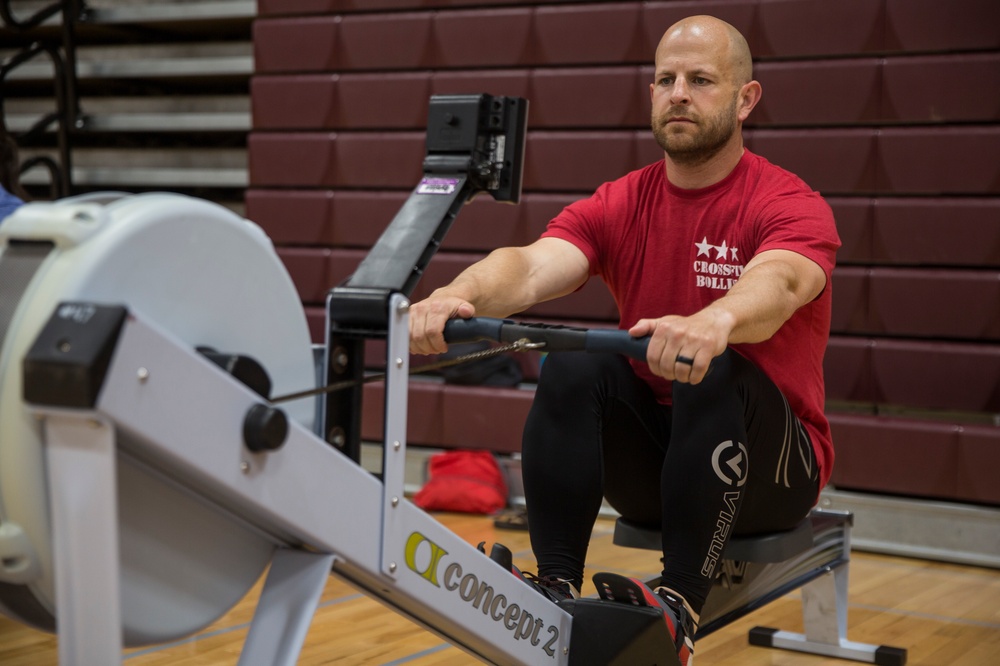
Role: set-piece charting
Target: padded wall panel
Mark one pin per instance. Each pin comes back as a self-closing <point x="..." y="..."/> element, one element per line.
<point x="380" y="101"/>
<point x="899" y="456"/>
<point x="484" y="225"/>
<point x="938" y="232"/>
<point x="577" y="161"/>
<point x="850" y="300"/>
<point x="789" y="28"/>
<point x="293" y="217"/>
<point x="978" y="460"/>
<point x="379" y="160"/>
<point x="355" y="219"/>
<point x="832" y="161"/>
<point x="440" y="415"/>
<point x="831" y="92"/>
<point x="266" y="7"/>
<point x="510" y="82"/>
<point x="933" y="303"/>
<point x="306" y="101"/>
<point x="966" y="88"/>
<point x="565" y="98"/>
<point x="310" y="270"/>
<point x="937" y="375"/>
<point x="927" y="25"/>
<point x="314" y="270"/>
<point x="484" y="38"/>
<point x="297" y="44"/>
<point x="847" y="369"/>
<point x="589" y="34"/>
<point x="365" y="41"/>
<point x="854" y="225"/>
<point x="334" y="101"/>
<point x="945" y="160"/>
<point x="303" y="159"/>
<point x="350" y="159"/>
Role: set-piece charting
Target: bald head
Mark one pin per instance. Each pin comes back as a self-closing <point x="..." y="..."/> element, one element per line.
<point x="730" y="50"/>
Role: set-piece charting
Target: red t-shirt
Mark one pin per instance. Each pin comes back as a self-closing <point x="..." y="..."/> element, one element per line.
<point x="666" y="250"/>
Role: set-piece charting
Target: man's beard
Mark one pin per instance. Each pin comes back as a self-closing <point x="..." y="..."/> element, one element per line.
<point x="689" y="150"/>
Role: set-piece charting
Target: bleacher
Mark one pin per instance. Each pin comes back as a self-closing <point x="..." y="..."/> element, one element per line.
<point x="159" y="100"/>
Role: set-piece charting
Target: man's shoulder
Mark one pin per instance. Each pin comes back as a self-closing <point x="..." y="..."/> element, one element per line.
<point x="773" y="176"/>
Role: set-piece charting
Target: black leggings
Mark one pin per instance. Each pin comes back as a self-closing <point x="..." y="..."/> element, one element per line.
<point x="595" y="430"/>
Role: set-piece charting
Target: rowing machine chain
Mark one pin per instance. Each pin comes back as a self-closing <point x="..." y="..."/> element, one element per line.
<point x="517" y="346"/>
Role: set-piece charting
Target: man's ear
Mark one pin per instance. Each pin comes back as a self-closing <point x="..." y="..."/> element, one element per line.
<point x="748" y="97"/>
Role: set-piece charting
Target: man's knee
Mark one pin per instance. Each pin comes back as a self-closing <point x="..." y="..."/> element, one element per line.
<point x="576" y="372"/>
<point x="722" y="379"/>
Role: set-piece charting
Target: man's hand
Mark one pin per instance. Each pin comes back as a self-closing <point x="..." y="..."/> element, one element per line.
<point x="682" y="348"/>
<point x="427" y="320"/>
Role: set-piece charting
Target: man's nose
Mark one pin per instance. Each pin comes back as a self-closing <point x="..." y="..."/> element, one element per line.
<point x="679" y="93"/>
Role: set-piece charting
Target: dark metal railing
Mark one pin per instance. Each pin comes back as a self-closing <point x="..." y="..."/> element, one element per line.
<point x="61" y="51"/>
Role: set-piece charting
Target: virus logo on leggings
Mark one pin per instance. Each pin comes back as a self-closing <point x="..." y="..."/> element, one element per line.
<point x="729" y="460"/>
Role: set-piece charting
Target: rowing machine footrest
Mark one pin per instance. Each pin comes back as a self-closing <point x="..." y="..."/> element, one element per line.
<point x="618" y="634"/>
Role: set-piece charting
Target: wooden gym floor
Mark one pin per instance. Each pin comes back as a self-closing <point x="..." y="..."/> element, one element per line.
<point x="945" y="615"/>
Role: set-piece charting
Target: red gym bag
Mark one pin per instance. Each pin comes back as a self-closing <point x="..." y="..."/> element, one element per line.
<point x="463" y="481"/>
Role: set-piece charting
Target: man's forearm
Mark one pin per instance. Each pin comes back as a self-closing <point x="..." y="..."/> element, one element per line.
<point x="495" y="286"/>
<point x="763" y="299"/>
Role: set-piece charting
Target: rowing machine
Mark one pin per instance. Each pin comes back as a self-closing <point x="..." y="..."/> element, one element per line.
<point x="143" y="470"/>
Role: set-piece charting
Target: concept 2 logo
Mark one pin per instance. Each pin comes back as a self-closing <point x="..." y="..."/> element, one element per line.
<point x="477" y="593"/>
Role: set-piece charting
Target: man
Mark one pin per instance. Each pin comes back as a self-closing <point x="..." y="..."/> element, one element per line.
<point x="724" y="260"/>
<point x="11" y="194"/>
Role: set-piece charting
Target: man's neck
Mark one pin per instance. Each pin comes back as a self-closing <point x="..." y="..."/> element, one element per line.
<point x="710" y="172"/>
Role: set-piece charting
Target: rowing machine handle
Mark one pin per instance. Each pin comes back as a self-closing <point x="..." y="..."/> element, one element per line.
<point x="555" y="338"/>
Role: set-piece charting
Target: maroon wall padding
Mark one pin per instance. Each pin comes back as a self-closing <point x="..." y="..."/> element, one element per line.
<point x="850" y="299"/>
<point x="854" y="216"/>
<point x="978" y="458"/>
<point x="900" y="456"/>
<point x="889" y="108"/>
<point x="935" y="303"/>
<point x="824" y="92"/>
<point x="833" y="161"/>
<point x="941" y="231"/>
<point x="439" y="415"/>
<point x="939" y="160"/>
<point x="927" y="25"/>
<point x="847" y="368"/>
<point x="967" y="88"/>
<point x="917" y="457"/>
<point x="806" y="28"/>
<point x="934" y="375"/>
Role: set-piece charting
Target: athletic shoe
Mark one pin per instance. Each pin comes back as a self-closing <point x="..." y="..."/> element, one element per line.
<point x="550" y="587"/>
<point x="680" y="622"/>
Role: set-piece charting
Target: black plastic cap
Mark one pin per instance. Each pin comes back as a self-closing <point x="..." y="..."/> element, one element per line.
<point x="762" y="636"/>
<point x="890" y="656"/>
<point x="66" y="365"/>
<point x="265" y="428"/>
